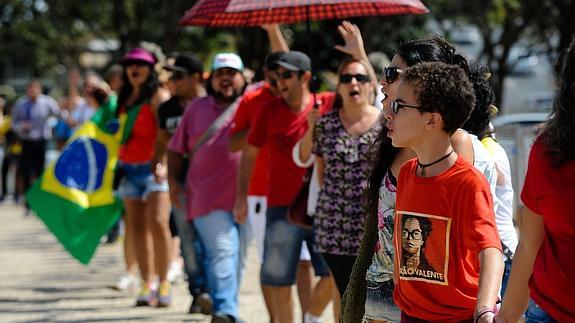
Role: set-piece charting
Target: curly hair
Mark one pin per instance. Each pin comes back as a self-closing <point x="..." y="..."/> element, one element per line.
<point x="427" y="49"/>
<point x="478" y="122"/>
<point x="559" y="131"/>
<point x="442" y="88"/>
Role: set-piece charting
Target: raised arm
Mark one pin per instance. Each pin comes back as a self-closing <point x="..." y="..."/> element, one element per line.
<point x="354" y="46"/>
<point x="276" y="38"/>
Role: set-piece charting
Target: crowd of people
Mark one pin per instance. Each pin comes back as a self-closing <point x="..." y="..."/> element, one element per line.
<point x="409" y="198"/>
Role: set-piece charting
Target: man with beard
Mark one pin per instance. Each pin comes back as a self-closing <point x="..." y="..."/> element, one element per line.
<point x="211" y="183"/>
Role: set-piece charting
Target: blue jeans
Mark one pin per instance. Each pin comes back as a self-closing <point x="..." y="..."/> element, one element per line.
<point x="536" y="314"/>
<point x="192" y="252"/>
<point x="282" y="248"/>
<point x="224" y="244"/>
<point x="506" y="274"/>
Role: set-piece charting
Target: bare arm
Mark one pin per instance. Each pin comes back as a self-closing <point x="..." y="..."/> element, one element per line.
<point x="276" y="38"/>
<point x="246" y="168"/>
<point x="238" y="141"/>
<point x="517" y="293"/>
<point x="306" y="143"/>
<point x="490" y="275"/>
<point x="320" y="164"/>
<point x="354" y="47"/>
<point x="160" y="158"/>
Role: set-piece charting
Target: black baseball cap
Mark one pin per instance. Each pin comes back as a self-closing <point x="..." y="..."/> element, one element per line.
<point x="295" y="61"/>
<point x="186" y="63"/>
<point x="271" y="61"/>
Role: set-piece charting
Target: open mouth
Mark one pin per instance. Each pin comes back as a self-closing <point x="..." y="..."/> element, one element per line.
<point x="354" y="94"/>
<point x="135" y="74"/>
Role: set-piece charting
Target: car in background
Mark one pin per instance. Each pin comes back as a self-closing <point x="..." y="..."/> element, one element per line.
<point x="464" y="35"/>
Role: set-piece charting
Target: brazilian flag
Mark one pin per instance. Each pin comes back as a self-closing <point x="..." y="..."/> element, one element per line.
<point x="74" y="195"/>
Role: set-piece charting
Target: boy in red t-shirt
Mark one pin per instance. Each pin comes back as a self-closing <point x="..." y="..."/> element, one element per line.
<point x="448" y="253"/>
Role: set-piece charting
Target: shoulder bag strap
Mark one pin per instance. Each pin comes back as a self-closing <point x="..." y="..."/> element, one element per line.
<point x="214" y="127"/>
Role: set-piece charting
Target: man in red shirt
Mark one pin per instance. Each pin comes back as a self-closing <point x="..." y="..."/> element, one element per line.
<point x="447" y="250"/>
<point x="278" y="126"/>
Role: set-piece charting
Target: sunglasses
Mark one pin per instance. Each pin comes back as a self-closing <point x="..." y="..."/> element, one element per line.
<point x="347" y="78"/>
<point x="176" y="76"/>
<point x="137" y="63"/>
<point x="285" y="75"/>
<point x="390" y="74"/>
<point x="395" y="106"/>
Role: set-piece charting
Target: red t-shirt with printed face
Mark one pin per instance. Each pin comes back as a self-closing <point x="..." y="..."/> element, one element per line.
<point x="441" y="225"/>
<point x="278" y="128"/>
<point x="248" y="108"/>
<point x="550" y="192"/>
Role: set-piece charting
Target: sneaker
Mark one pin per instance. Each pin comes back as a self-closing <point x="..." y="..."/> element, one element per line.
<point x="127" y="282"/>
<point x="201" y="303"/>
<point x="147" y="296"/>
<point x="225" y="318"/>
<point x="165" y="294"/>
<point x="175" y="273"/>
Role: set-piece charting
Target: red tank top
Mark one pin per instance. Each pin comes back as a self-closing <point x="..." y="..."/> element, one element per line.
<point x="140" y="146"/>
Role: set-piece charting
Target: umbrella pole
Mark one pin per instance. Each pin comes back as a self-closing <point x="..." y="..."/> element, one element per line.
<point x="313" y="84"/>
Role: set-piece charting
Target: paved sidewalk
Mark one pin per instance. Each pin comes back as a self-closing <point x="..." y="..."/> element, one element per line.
<point x="40" y="282"/>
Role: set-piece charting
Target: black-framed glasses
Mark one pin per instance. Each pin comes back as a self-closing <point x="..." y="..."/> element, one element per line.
<point x="176" y="76"/>
<point x="395" y="106"/>
<point x="415" y="234"/>
<point x="285" y="75"/>
<point x="391" y="74"/>
<point x="360" y="78"/>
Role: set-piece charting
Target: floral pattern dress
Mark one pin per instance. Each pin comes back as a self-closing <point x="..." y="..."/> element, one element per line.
<point x="340" y="216"/>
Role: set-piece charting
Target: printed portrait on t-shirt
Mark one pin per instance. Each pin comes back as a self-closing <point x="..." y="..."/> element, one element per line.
<point x="423" y="247"/>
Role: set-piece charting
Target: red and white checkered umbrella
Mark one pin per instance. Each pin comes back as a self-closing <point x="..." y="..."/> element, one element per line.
<point x="227" y="13"/>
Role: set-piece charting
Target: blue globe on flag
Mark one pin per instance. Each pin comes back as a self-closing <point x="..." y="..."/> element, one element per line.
<point x="82" y="164"/>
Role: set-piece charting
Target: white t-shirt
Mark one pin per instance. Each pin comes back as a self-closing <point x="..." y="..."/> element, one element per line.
<point x="503" y="198"/>
<point x="314" y="182"/>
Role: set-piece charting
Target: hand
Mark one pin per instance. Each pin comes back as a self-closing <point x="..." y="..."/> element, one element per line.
<point x="160" y="172"/>
<point x="175" y="193"/>
<point x="270" y="27"/>
<point x="26" y="125"/>
<point x="74" y="77"/>
<point x="312" y="117"/>
<point x="240" y="210"/>
<point x="486" y="318"/>
<point x="353" y="42"/>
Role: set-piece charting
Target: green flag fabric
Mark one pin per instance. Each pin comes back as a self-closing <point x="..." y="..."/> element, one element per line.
<point x="74" y="195"/>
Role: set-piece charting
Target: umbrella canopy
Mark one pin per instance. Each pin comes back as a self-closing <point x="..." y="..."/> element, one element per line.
<point x="227" y="13"/>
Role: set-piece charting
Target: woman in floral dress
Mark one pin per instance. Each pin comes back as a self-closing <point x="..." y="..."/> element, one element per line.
<point x="341" y="141"/>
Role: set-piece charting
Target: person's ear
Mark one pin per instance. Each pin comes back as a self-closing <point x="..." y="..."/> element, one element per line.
<point x="435" y="121"/>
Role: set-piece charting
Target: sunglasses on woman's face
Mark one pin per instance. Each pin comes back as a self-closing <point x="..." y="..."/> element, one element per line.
<point x="137" y="63"/>
<point x="390" y="74"/>
<point x="347" y="78"/>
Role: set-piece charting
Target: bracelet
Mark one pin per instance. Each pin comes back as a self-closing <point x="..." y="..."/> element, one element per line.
<point x="482" y="312"/>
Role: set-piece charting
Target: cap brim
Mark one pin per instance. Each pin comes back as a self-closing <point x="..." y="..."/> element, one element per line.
<point x="174" y="68"/>
<point x="288" y="66"/>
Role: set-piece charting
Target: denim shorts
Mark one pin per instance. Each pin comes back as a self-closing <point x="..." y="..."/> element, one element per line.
<point x="379" y="303"/>
<point x="282" y="247"/>
<point x="535" y="314"/>
<point x="138" y="181"/>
